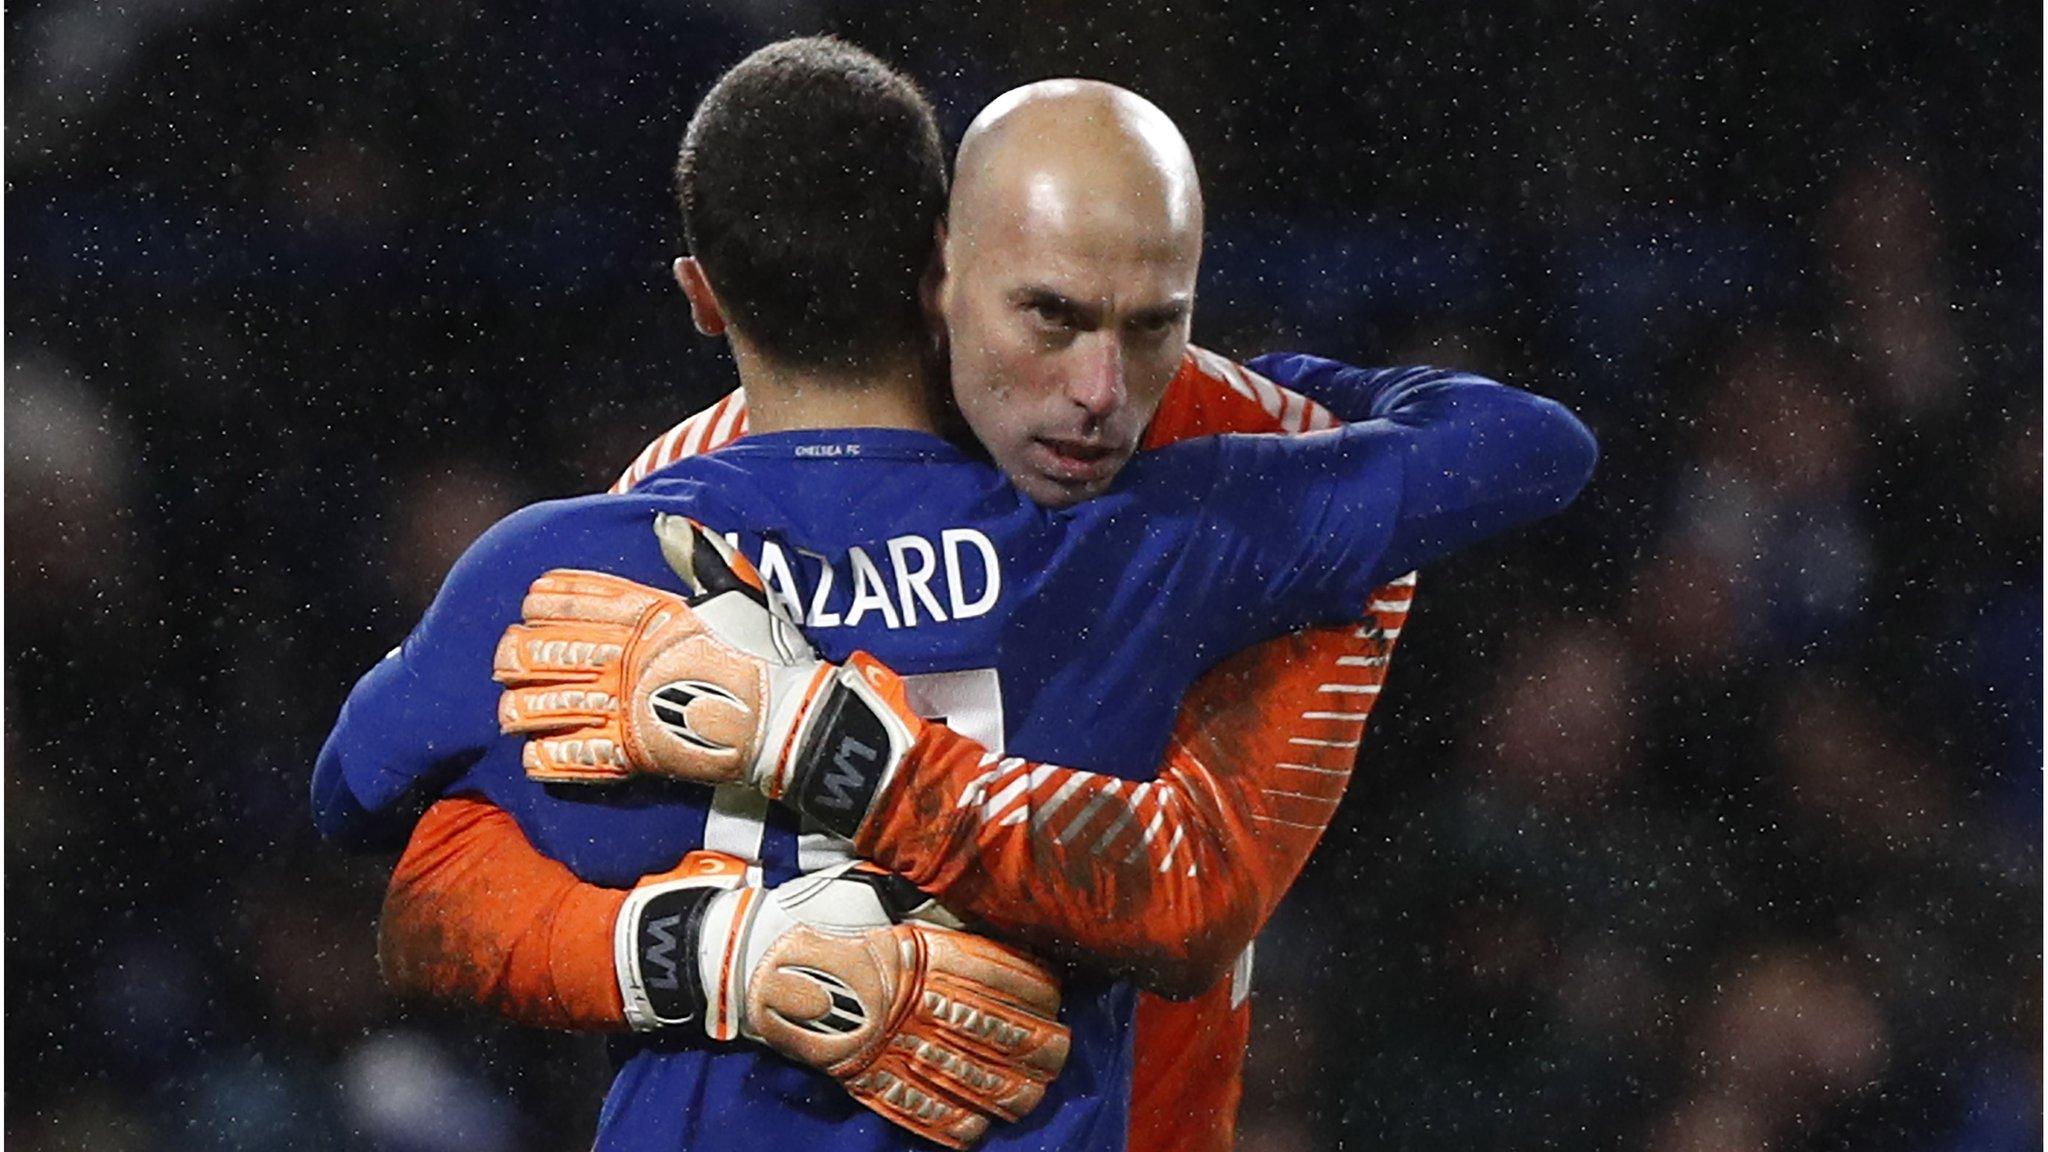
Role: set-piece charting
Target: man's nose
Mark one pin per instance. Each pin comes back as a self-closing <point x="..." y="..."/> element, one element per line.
<point x="1097" y="384"/>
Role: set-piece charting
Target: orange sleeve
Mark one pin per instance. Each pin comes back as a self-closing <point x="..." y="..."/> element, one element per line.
<point x="1187" y="1071"/>
<point x="476" y="915"/>
<point x="1168" y="878"/>
<point x="1173" y="877"/>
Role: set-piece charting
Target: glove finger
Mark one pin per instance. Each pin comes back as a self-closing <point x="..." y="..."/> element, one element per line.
<point x="814" y="999"/>
<point x="1001" y="1087"/>
<point x="556" y="709"/>
<point x="704" y="559"/>
<point x="1003" y="971"/>
<point x="572" y="594"/>
<point x="899" y="1095"/>
<point x="585" y="756"/>
<point x="967" y="1018"/>
<point x="530" y="655"/>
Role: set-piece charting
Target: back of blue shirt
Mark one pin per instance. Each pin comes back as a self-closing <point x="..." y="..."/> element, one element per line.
<point x="1061" y="635"/>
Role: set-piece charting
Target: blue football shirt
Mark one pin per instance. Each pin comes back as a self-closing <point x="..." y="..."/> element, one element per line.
<point x="1064" y="635"/>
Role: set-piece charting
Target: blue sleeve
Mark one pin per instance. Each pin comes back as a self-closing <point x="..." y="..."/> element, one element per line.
<point x="1351" y="394"/>
<point x="1307" y="526"/>
<point x="419" y="719"/>
<point x="425" y="712"/>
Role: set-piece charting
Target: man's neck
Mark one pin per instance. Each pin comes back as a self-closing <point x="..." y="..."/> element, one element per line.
<point x="892" y="393"/>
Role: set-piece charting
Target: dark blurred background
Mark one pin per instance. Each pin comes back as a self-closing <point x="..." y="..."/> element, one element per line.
<point x="1706" y="817"/>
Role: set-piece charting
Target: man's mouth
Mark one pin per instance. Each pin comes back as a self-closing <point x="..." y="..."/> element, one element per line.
<point x="1076" y="461"/>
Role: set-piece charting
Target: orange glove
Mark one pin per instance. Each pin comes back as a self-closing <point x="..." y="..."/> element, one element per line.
<point x="609" y="677"/>
<point x="937" y="1030"/>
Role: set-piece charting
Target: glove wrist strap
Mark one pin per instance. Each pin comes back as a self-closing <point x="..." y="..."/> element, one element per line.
<point x="655" y="943"/>
<point x="845" y="752"/>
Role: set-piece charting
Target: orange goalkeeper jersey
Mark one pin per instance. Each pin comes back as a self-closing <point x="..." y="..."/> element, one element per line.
<point x="1174" y="891"/>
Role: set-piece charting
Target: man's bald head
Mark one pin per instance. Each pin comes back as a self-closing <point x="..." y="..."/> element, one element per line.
<point x="1060" y="145"/>
<point x="1074" y="238"/>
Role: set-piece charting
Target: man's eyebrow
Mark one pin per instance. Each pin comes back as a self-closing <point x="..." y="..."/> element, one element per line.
<point x="1052" y="300"/>
<point x="1039" y="293"/>
<point x="1167" y="313"/>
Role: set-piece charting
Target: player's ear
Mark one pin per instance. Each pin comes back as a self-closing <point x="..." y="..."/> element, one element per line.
<point x="704" y="310"/>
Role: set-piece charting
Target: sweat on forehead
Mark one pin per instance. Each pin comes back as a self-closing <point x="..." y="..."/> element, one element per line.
<point x="1062" y="146"/>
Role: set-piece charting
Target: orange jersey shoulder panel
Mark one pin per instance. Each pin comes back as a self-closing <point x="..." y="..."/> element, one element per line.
<point x="713" y="428"/>
<point x="1212" y="395"/>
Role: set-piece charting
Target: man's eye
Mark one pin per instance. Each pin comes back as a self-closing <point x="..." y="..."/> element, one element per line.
<point x="1051" y="315"/>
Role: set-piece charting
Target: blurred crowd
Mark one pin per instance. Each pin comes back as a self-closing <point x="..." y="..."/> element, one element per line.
<point x="1705" y="818"/>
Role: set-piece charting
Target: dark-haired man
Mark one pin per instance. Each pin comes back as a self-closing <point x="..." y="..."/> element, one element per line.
<point x="1374" y="500"/>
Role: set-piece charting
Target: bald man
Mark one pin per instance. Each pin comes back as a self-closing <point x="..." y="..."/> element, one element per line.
<point x="1094" y="340"/>
<point x="1070" y="260"/>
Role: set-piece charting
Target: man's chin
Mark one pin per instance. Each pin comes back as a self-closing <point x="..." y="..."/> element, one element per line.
<point x="1051" y="492"/>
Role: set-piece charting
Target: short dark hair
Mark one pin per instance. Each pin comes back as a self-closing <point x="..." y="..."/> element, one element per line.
<point x="811" y="182"/>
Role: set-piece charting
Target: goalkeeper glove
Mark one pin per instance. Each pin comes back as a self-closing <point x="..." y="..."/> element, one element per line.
<point x="608" y="677"/>
<point x="938" y="1031"/>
